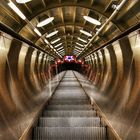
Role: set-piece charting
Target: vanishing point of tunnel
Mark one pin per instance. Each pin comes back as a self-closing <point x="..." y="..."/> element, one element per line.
<point x="69" y="69"/>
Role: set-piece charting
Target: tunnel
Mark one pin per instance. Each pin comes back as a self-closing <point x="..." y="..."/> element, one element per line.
<point x="69" y="69"/>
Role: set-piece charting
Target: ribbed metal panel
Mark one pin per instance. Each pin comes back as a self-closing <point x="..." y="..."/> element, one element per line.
<point x="69" y="116"/>
<point x="72" y="95"/>
<point x="69" y="122"/>
<point x="69" y="102"/>
<point x="70" y="133"/>
<point x="69" y="107"/>
<point x="61" y="113"/>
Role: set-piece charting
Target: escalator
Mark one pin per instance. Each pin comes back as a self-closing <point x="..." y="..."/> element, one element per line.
<point x="69" y="115"/>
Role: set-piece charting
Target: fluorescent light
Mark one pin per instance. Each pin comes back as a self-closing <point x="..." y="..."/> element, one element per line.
<point x="82" y="40"/>
<point x="92" y="20"/>
<point x="36" y="30"/>
<point x="79" y="44"/>
<point x="52" y="34"/>
<point x="86" y="33"/>
<point x="77" y="50"/>
<point x="57" y="45"/>
<point x="51" y="46"/>
<point x="22" y="1"/>
<point x="45" y="22"/>
<point x="46" y="41"/>
<point x="77" y="47"/>
<point x="62" y="51"/>
<point x="18" y="12"/>
<point x="60" y="48"/>
<point x="55" y="41"/>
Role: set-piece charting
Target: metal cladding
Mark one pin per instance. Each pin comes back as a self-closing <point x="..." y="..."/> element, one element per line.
<point x="24" y="73"/>
<point x="110" y="60"/>
<point x="115" y="73"/>
<point x="69" y="20"/>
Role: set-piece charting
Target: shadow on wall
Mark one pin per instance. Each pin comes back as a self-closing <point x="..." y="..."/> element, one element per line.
<point x="24" y="74"/>
<point x="115" y="73"/>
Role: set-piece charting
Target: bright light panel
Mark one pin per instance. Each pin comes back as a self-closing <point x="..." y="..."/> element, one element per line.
<point x="77" y="50"/>
<point x="51" y="46"/>
<point x="62" y="53"/>
<point x="36" y="30"/>
<point x="79" y="44"/>
<point x="60" y="48"/>
<point x="92" y="20"/>
<point x="57" y="45"/>
<point x="77" y="47"/>
<point x="52" y="34"/>
<point x="14" y="8"/>
<point x="86" y="33"/>
<point x="82" y="40"/>
<point x="45" y="22"/>
<point x="52" y="42"/>
<point x="46" y="41"/>
<point x="22" y="1"/>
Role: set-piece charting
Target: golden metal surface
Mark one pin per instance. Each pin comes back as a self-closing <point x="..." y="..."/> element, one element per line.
<point x="115" y="77"/>
<point x="24" y="86"/>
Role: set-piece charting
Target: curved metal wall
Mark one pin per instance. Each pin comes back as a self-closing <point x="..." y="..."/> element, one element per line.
<point x="24" y="74"/>
<point x="115" y="73"/>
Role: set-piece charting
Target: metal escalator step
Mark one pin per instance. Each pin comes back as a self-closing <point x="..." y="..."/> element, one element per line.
<point x="69" y="107"/>
<point x="69" y="122"/>
<point x="71" y="97"/>
<point x="70" y="133"/>
<point x="64" y="113"/>
<point x="69" y="102"/>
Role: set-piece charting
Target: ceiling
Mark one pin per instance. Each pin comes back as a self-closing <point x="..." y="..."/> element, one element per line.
<point x="68" y="20"/>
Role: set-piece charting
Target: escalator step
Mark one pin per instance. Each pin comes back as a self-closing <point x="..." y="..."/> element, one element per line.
<point x="68" y="97"/>
<point x="63" y="102"/>
<point x="62" y="113"/>
<point x="69" y="133"/>
<point x="69" y="122"/>
<point x="69" y="107"/>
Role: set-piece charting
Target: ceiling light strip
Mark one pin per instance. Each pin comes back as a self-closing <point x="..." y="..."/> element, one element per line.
<point x="37" y="31"/>
<point x="51" y="34"/>
<point x="17" y="11"/>
<point x="106" y="23"/>
<point x="23" y="1"/>
<point x="57" y="45"/>
<point x="85" y="33"/>
<point x="60" y="48"/>
<point x="20" y="14"/>
<point x="82" y="40"/>
<point x="45" y="22"/>
<point x="92" y="20"/>
<point x="79" y="44"/>
<point x="54" y="41"/>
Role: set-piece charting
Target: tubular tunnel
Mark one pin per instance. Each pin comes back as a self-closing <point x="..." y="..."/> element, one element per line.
<point x="94" y="97"/>
<point x="110" y="77"/>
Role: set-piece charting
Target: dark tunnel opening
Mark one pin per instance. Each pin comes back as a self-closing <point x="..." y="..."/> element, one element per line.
<point x="70" y="66"/>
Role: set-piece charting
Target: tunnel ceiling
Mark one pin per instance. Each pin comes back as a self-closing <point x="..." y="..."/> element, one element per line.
<point x="68" y="20"/>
